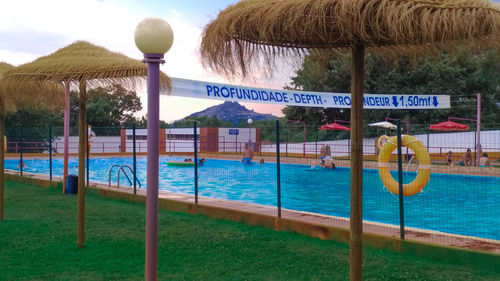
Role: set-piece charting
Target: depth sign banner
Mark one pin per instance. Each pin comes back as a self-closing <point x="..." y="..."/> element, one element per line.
<point x="216" y="91"/>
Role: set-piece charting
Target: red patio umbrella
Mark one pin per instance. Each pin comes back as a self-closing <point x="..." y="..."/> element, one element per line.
<point x="335" y="126"/>
<point x="449" y="126"/>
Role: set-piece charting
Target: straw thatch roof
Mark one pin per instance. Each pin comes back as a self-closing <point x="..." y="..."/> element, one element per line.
<point x="260" y="30"/>
<point x="83" y="61"/>
<point x="4" y="67"/>
<point x="28" y="93"/>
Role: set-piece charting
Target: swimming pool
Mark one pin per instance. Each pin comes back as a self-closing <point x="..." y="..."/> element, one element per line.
<point x="467" y="205"/>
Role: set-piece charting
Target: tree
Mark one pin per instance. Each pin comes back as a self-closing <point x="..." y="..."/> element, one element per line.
<point x="111" y="106"/>
<point x="108" y="110"/>
<point x="460" y="75"/>
<point x="34" y="123"/>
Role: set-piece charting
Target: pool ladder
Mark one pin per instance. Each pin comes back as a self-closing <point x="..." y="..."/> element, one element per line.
<point x="409" y="163"/>
<point x="121" y="168"/>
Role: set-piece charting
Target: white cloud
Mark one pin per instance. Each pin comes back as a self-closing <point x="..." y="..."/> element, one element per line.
<point x="112" y="26"/>
<point x="15" y="58"/>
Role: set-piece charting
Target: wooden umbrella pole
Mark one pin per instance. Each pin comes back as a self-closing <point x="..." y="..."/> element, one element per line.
<point x="2" y="157"/>
<point x="66" y="133"/>
<point x="82" y="129"/>
<point x="356" y="221"/>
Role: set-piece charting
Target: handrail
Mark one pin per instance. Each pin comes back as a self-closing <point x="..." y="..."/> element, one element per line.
<point x="118" y="176"/>
<point x="132" y="171"/>
<point x="121" y="168"/>
<point x="409" y="163"/>
<point x="109" y="173"/>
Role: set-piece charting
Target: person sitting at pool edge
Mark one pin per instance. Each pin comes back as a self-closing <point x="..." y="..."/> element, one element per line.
<point x="261" y="161"/>
<point x="448" y="158"/>
<point x="247" y="154"/>
<point x="484" y="161"/>
<point x="466" y="159"/>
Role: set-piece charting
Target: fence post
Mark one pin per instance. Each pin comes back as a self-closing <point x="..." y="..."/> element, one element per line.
<point x="400" y="179"/>
<point x="195" y="136"/>
<point x="475" y="149"/>
<point x="134" y="157"/>
<point x="21" y="163"/>
<point x="428" y="140"/>
<point x="278" y="178"/>
<point x="316" y="144"/>
<point x="50" y="153"/>
<point x="286" y="142"/>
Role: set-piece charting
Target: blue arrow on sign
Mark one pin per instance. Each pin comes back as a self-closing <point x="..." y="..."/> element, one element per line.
<point x="395" y="101"/>
<point x="435" y="101"/>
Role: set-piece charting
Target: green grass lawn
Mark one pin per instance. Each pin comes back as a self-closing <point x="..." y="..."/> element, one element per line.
<point x="38" y="242"/>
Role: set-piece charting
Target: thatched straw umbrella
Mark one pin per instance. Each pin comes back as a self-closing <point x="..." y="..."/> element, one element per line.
<point x="83" y="64"/>
<point x="26" y="94"/>
<point x="3" y="67"/>
<point x="254" y="31"/>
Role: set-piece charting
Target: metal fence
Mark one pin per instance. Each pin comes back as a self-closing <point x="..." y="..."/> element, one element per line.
<point x="291" y="174"/>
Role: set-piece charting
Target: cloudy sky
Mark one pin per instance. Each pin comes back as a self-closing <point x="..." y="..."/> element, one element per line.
<point x="33" y="28"/>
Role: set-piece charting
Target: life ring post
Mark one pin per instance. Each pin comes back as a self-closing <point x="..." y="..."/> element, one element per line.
<point x="400" y="182"/>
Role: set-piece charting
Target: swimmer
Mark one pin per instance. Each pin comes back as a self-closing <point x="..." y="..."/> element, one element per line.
<point x="247" y="155"/>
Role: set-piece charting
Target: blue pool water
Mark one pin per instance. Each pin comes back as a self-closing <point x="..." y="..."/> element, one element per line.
<point x="467" y="205"/>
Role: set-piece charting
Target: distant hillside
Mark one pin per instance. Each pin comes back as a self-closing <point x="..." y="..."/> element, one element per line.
<point x="232" y="112"/>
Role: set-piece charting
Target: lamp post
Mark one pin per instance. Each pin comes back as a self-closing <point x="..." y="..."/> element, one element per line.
<point x="250" y="121"/>
<point x="170" y="138"/>
<point x="478" y="128"/>
<point x="153" y="37"/>
<point x="304" y="135"/>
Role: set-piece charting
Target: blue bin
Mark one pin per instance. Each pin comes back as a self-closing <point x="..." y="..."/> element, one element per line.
<point x="72" y="184"/>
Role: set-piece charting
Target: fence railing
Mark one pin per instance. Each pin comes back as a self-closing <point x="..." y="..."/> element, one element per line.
<point x="450" y="202"/>
<point x="309" y="150"/>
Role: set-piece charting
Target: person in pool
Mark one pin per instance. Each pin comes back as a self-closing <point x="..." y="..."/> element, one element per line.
<point x="247" y="154"/>
<point x="201" y="161"/>
<point x="324" y="164"/>
<point x="21" y="164"/>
